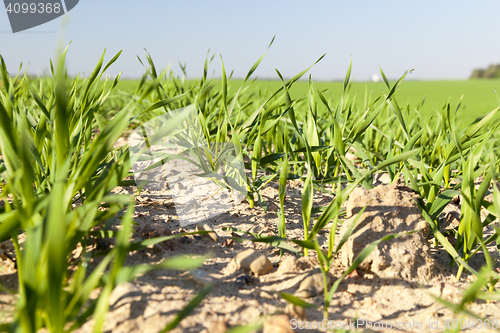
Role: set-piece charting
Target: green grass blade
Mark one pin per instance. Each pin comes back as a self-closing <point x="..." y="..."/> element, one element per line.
<point x="297" y="301"/>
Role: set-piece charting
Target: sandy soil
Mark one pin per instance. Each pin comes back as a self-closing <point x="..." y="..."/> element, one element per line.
<point x="152" y="300"/>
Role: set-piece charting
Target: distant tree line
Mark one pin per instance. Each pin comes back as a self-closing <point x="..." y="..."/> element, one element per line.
<point x="492" y="72"/>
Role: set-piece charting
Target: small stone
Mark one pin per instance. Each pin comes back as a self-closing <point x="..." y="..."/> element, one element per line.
<point x="296" y="311"/>
<point x="288" y="265"/>
<point x="278" y="324"/>
<point x="382" y="178"/>
<point x="273" y="207"/>
<point x="312" y="284"/>
<point x="369" y="302"/>
<point x="203" y="226"/>
<point x="453" y="218"/>
<point x="252" y="261"/>
<point x="354" y="275"/>
<point x="228" y="243"/>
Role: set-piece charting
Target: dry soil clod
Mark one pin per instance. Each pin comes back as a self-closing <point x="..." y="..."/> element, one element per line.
<point x="203" y="226"/>
<point x="390" y="209"/>
<point x="312" y="284"/>
<point x="251" y="261"/>
<point x="296" y="311"/>
<point x="287" y="265"/>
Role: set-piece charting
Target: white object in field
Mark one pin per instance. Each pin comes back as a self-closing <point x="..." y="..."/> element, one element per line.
<point x="170" y="151"/>
<point x="375" y="78"/>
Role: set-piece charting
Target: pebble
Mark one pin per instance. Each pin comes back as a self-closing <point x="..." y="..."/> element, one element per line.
<point x="273" y="207"/>
<point x="203" y="226"/>
<point x="354" y="275"/>
<point x="253" y="261"/>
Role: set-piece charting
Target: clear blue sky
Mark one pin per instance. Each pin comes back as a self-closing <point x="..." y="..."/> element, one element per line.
<point x="439" y="39"/>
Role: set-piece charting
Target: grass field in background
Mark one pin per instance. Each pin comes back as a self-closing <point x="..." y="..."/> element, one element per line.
<point x="479" y="96"/>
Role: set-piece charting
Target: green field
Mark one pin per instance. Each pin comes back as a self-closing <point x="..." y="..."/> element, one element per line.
<point x="479" y="96"/>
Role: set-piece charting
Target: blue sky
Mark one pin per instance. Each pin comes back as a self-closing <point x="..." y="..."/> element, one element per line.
<point x="439" y="39"/>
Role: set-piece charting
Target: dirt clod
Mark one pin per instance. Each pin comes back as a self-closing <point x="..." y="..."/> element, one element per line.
<point x="296" y="311"/>
<point x="287" y="265"/>
<point x="252" y="261"/>
<point x="312" y="284"/>
<point x="239" y="298"/>
<point x="203" y="226"/>
<point x="390" y="209"/>
<point x="354" y="275"/>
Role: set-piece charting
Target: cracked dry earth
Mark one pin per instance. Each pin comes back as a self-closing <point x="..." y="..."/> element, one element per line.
<point x="394" y="284"/>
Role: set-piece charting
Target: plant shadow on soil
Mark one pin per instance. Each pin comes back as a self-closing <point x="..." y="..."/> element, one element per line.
<point x="151" y="301"/>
